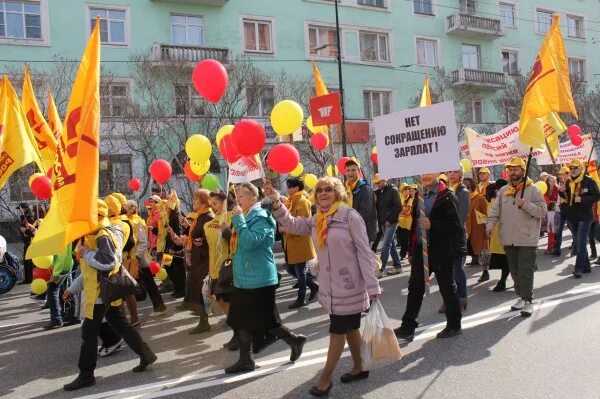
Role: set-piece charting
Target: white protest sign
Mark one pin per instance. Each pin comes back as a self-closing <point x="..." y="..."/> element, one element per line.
<point x="465" y="152"/>
<point x="245" y="170"/>
<point x="569" y="152"/>
<point x="417" y="141"/>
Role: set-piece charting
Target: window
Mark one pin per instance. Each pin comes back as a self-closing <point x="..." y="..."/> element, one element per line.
<point x="322" y="41"/>
<point x="188" y="102"/>
<point x="427" y="52"/>
<point x="476" y="112"/>
<point x="510" y="62"/>
<point x="471" y="56"/>
<point x="112" y="25"/>
<point x="376" y="103"/>
<point x="115" y="172"/>
<point x="374" y="47"/>
<point x="257" y="36"/>
<point x="577" y="69"/>
<point x="507" y="13"/>
<point x="114" y="98"/>
<point x="372" y="3"/>
<point x="20" y="20"/>
<point x="187" y="30"/>
<point x="544" y="21"/>
<point x="260" y="101"/>
<point x="575" y="27"/>
<point x="424" y="7"/>
<point x="468" y="6"/>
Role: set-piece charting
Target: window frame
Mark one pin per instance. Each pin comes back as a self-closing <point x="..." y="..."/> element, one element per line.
<point x="385" y="5"/>
<point x="584" y="65"/>
<point x="514" y="10"/>
<point x="514" y="51"/>
<point x="463" y="5"/>
<point x="191" y="96"/>
<point x="539" y="11"/>
<point x="187" y="24"/>
<point x="109" y="160"/>
<point x="110" y="99"/>
<point x="378" y="36"/>
<point x="259" y="20"/>
<point x="478" y="47"/>
<point x="438" y="50"/>
<point x="44" y="40"/>
<point x="312" y="25"/>
<point x="433" y="8"/>
<point x="579" y="18"/>
<point x="261" y="112"/>
<point x="127" y="28"/>
<point x="370" y="90"/>
<point x="472" y="111"/>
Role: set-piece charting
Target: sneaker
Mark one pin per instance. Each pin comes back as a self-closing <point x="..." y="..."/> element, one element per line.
<point x="527" y="309"/>
<point x="111" y="349"/>
<point x="395" y="270"/>
<point x="518" y="305"/>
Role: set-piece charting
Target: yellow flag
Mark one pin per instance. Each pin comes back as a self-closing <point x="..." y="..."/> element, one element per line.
<point x="549" y="87"/>
<point x="320" y="90"/>
<point x="425" y="94"/>
<point x="73" y="209"/>
<point x="45" y="141"/>
<point x="18" y="148"/>
<point x="54" y="118"/>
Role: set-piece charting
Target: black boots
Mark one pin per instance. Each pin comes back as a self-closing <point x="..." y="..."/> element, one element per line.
<point x="485" y="276"/>
<point x="233" y="343"/>
<point x="296" y="342"/>
<point x="80" y="382"/>
<point x="245" y="363"/>
<point x="203" y="325"/>
<point x="147" y="357"/>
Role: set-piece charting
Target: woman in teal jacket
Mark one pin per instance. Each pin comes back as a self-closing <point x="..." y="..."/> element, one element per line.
<point x="253" y="312"/>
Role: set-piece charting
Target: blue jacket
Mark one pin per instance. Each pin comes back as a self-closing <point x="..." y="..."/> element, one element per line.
<point x="253" y="262"/>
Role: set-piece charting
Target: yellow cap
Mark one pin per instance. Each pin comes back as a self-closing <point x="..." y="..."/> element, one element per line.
<point x="576" y="163"/>
<point x="376" y="178"/>
<point x="102" y="208"/>
<point x="113" y="204"/>
<point x="443" y="177"/>
<point x="353" y="159"/>
<point x="413" y="186"/>
<point x="121" y="198"/>
<point x="564" y="170"/>
<point x="484" y="170"/>
<point x="516" y="162"/>
<point x="403" y="186"/>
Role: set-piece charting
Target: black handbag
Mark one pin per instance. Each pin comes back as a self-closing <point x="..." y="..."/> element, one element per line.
<point x="225" y="280"/>
<point x="118" y="286"/>
<point x="140" y="292"/>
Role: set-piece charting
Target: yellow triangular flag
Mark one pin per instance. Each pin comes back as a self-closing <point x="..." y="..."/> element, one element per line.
<point x="320" y="90"/>
<point x="549" y="87"/>
<point x="54" y="118"/>
<point x="425" y="94"/>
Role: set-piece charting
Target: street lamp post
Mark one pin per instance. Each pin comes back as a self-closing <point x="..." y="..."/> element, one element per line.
<point x="341" y="80"/>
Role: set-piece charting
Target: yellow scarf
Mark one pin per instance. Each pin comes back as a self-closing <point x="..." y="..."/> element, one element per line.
<point x="575" y="187"/>
<point x="195" y="215"/>
<point x="321" y="222"/>
<point x="349" y="190"/>
<point x="474" y="194"/>
<point x="512" y="191"/>
<point x="454" y="186"/>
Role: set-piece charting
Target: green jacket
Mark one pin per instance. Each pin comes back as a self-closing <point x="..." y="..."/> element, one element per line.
<point x="63" y="263"/>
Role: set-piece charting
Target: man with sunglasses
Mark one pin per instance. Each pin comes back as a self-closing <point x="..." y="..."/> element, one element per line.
<point x="580" y="193"/>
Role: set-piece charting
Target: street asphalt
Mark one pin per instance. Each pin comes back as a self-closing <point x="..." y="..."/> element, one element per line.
<point x="553" y="354"/>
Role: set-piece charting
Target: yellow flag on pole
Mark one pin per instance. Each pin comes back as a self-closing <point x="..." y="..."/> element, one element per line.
<point x="45" y="140"/>
<point x="73" y="209"/>
<point x="54" y="118"/>
<point x="425" y="94"/>
<point x="18" y="148"/>
<point x="320" y="87"/>
<point x="549" y="87"/>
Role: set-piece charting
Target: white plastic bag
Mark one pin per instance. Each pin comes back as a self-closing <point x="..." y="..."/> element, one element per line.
<point x="379" y="346"/>
<point x="206" y="286"/>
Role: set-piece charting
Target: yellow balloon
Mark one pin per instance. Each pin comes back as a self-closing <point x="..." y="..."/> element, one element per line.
<point x="167" y="259"/>
<point x="198" y="148"/>
<point x="542" y="186"/>
<point x="312" y="128"/>
<point x="297" y="171"/>
<point x="39" y="286"/>
<point x="222" y="132"/>
<point x="374" y="150"/>
<point x="162" y="274"/>
<point x="34" y="176"/>
<point x="332" y="170"/>
<point x="286" y="117"/>
<point x="467" y="165"/>
<point x="310" y="181"/>
<point x="43" y="262"/>
<point x="198" y="168"/>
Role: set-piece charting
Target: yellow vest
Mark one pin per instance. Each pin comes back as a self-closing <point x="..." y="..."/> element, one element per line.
<point x="163" y="224"/>
<point x="405" y="218"/>
<point x="218" y="247"/>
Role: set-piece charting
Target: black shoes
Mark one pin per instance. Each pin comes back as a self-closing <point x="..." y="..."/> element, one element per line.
<point x="233" y="343"/>
<point x="347" y="378"/>
<point x="501" y="286"/>
<point x="80" y="382"/>
<point x="202" y="327"/>
<point x="314" y="291"/>
<point x="448" y="333"/>
<point x="485" y="276"/>
<point x="52" y="325"/>
<point x="318" y="393"/>
<point x="146" y="358"/>
<point x="404" y="334"/>
<point x="245" y="363"/>
<point x="296" y="343"/>
<point x="299" y="303"/>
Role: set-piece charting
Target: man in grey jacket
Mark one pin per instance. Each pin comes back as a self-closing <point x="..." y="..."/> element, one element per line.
<point x="520" y="215"/>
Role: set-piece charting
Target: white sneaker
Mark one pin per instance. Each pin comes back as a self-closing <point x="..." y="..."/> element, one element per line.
<point x="527" y="309"/>
<point x="111" y="349"/>
<point x="518" y="305"/>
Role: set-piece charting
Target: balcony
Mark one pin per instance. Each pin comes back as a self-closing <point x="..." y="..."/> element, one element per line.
<point x="176" y="53"/>
<point x="474" y="26"/>
<point x="197" y="2"/>
<point x="479" y="78"/>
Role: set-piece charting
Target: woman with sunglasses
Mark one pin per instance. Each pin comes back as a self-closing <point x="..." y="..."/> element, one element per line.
<point x="346" y="272"/>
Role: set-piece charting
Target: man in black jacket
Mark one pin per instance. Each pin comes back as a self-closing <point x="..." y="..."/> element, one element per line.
<point x="388" y="209"/>
<point x="580" y="193"/>
<point x="361" y="197"/>
<point x="446" y="242"/>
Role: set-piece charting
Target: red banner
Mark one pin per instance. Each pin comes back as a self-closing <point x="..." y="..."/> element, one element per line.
<point x="326" y="110"/>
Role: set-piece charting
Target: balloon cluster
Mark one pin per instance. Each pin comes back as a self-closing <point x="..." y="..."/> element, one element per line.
<point x="575" y="135"/>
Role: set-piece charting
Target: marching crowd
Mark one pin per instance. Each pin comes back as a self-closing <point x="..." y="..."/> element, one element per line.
<point x="222" y="253"/>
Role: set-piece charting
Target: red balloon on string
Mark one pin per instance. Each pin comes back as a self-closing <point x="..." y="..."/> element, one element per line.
<point x="161" y="171"/>
<point x="342" y="165"/>
<point x="44" y="274"/>
<point x="319" y="141"/>
<point x="249" y="137"/>
<point x="41" y="187"/>
<point x="228" y="149"/>
<point x="210" y="80"/>
<point x="504" y="174"/>
<point x="283" y="158"/>
<point x="134" y="184"/>
<point x="154" y="267"/>
<point x="374" y="158"/>
<point x="189" y="173"/>
<point x="576" y="140"/>
<point x="574" y="130"/>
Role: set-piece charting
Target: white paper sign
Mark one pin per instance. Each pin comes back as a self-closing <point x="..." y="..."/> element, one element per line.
<point x="417" y="141"/>
<point x="245" y="170"/>
<point x="569" y="152"/>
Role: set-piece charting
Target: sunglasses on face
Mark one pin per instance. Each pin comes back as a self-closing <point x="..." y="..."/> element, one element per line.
<point x="324" y="190"/>
<point x="573" y="167"/>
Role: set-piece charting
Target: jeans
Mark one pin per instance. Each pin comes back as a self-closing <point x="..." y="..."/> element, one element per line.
<point x="582" y="262"/>
<point x="521" y="262"/>
<point x="460" y="277"/>
<point x="388" y="247"/>
<point x="593" y="239"/>
<point x="559" y="233"/>
<point x="54" y="295"/>
<point x="301" y="272"/>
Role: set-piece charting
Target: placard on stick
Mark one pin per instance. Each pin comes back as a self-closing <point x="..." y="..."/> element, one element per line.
<point x="417" y="141"/>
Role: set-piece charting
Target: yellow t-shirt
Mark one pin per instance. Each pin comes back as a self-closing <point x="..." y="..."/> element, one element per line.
<point x="405" y="218"/>
<point x="218" y="247"/>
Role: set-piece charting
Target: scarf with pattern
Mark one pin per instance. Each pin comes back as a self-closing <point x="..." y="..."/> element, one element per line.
<point x="575" y="187"/>
<point x="321" y="222"/>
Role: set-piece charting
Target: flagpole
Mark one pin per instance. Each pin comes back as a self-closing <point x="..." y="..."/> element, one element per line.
<point x="526" y="172"/>
<point x="424" y="242"/>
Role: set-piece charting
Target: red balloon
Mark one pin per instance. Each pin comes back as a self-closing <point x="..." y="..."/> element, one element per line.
<point x="210" y="80"/>
<point x="44" y="274"/>
<point x="374" y="159"/>
<point x="576" y="140"/>
<point x="189" y="173"/>
<point x="228" y="149"/>
<point x="504" y="174"/>
<point x="248" y="137"/>
<point x="41" y="187"/>
<point x="319" y="141"/>
<point x="154" y="267"/>
<point x="342" y="165"/>
<point x="134" y="184"/>
<point x="283" y="158"/>
<point x="161" y="171"/>
<point x="574" y="130"/>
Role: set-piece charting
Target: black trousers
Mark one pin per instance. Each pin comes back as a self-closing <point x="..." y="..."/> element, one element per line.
<point x="91" y="328"/>
<point x="176" y="274"/>
<point x="151" y="288"/>
<point x="444" y="275"/>
<point x="403" y="237"/>
<point x="27" y="267"/>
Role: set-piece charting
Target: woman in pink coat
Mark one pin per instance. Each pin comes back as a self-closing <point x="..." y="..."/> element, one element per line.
<point x="346" y="272"/>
